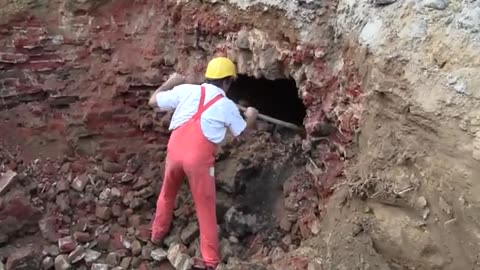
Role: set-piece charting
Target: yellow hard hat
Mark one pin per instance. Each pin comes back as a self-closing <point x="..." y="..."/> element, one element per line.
<point x="219" y="68"/>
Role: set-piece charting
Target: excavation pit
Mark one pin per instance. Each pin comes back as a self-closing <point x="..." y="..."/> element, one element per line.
<point x="275" y="98"/>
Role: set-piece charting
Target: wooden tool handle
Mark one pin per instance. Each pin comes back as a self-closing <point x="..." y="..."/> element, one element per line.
<point x="273" y="120"/>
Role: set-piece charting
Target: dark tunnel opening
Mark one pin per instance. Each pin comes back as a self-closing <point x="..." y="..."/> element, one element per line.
<point x="275" y="98"/>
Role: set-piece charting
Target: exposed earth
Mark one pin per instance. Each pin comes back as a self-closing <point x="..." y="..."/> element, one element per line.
<point x="382" y="175"/>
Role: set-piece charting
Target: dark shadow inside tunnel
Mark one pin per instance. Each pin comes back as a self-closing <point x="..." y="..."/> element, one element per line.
<point x="275" y="98"/>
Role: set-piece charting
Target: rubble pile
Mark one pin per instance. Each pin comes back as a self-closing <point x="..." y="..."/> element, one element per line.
<point x="97" y="214"/>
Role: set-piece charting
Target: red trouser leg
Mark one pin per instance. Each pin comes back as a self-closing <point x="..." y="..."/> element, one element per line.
<point x="166" y="200"/>
<point x="202" y="186"/>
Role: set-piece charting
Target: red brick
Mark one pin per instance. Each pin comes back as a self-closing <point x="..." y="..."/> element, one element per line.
<point x="66" y="244"/>
<point x="13" y="58"/>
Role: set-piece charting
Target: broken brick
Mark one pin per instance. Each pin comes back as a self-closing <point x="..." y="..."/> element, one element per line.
<point x="103" y="212"/>
<point x="48" y="228"/>
<point x="82" y="237"/>
<point x="23" y="259"/>
<point x="66" y="244"/>
<point x="103" y="241"/>
<point x="80" y="182"/>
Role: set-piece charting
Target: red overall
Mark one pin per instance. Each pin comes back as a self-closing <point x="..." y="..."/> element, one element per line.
<point x="190" y="153"/>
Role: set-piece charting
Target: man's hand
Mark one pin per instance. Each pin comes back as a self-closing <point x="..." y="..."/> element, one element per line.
<point x="251" y="114"/>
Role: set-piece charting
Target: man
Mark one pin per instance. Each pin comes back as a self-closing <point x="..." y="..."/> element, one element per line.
<point x="202" y="116"/>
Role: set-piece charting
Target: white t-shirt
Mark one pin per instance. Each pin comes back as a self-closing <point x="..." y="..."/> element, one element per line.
<point x="223" y="114"/>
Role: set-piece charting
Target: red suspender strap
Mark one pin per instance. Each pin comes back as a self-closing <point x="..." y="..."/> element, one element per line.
<point x="201" y="107"/>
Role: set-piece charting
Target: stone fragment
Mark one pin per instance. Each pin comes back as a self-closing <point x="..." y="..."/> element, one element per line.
<point x="117" y="210"/>
<point x="112" y="167"/>
<point x="112" y="259"/>
<point x="48" y="228"/>
<point x="3" y="238"/>
<point x="238" y="223"/>
<point x="99" y="266"/>
<point x="159" y="254"/>
<point x="125" y="263"/>
<point x="315" y="265"/>
<point x="226" y="250"/>
<point x="285" y="223"/>
<point x="177" y="258"/>
<point x="136" y="203"/>
<point x="62" y="186"/>
<point x="77" y="255"/>
<point x="66" y="244"/>
<point x="134" y="164"/>
<point x="6" y="179"/>
<point x="80" y="182"/>
<point x="421" y="202"/>
<point x="103" y="212"/>
<point x="436" y="4"/>
<point x="103" y="241"/>
<point x="233" y="239"/>
<point x="136" y="248"/>
<point x="91" y="255"/>
<point x="23" y="258"/>
<point x="52" y="251"/>
<point x="146" y="252"/>
<point x="242" y="40"/>
<point x="277" y="254"/>
<point x="48" y="263"/>
<point x="190" y="233"/>
<point x="469" y="19"/>
<point x="384" y="2"/>
<point x="82" y="237"/>
<point x="61" y="263"/>
<point x="127" y="178"/>
<point x="63" y="202"/>
<point x="106" y="195"/>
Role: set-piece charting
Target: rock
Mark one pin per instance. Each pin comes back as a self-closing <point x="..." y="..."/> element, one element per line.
<point x="285" y="223"/>
<point x="469" y="19"/>
<point x="3" y="238"/>
<point x="315" y="265"/>
<point x="6" y="179"/>
<point x="421" y="202"/>
<point x="91" y="255"/>
<point x="226" y="250"/>
<point x="117" y="210"/>
<point x="112" y="167"/>
<point x="48" y="263"/>
<point x="159" y="254"/>
<point x="134" y="164"/>
<point x="62" y="186"/>
<point x="242" y="40"/>
<point x="136" y="248"/>
<point x="190" y="233"/>
<point x="66" y="244"/>
<point x="52" y="251"/>
<point x="77" y="255"/>
<point x="61" y="263"/>
<point x="80" y="182"/>
<point x="127" y="178"/>
<point x="48" y="228"/>
<point x="106" y="195"/>
<point x="112" y="259"/>
<point x="23" y="258"/>
<point x="436" y="4"/>
<point x="63" y="202"/>
<point x="99" y="266"/>
<point x="103" y="241"/>
<point x="238" y="223"/>
<point x="125" y="263"/>
<point x="277" y="254"/>
<point x="146" y="252"/>
<point x="384" y="2"/>
<point x="177" y="258"/>
<point x="103" y="212"/>
<point x="136" y="203"/>
<point x="82" y="237"/>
